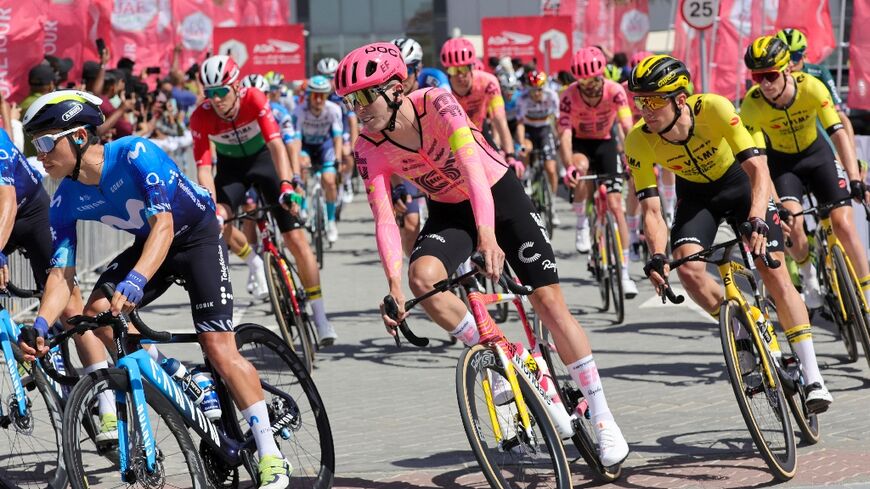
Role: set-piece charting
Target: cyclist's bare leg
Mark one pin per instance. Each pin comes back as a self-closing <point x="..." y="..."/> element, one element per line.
<point x="297" y="242"/>
<point x="614" y="202"/>
<point x="842" y="219"/>
<point x="669" y="195"/>
<point x="552" y="175"/>
<point x="699" y="284"/>
<point x="249" y="228"/>
<point x="799" y="245"/>
<point x="632" y="218"/>
<point x="330" y="190"/>
<point x="90" y="348"/>
<point x="581" y="191"/>
<point x="238" y="373"/>
<point x="568" y="336"/>
<point x="409" y="231"/>
<point x="447" y="310"/>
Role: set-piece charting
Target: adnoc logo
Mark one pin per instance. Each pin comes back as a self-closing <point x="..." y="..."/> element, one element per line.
<point x="236" y="49"/>
<point x="508" y="37"/>
<point x="133" y="15"/>
<point x="276" y="46"/>
<point x="558" y="43"/>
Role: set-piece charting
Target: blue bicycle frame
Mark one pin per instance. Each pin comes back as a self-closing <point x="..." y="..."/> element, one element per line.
<point x="9" y="332"/>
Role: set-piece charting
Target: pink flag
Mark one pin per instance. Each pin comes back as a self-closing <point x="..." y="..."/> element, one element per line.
<point x="859" y="72"/>
<point x="631" y="26"/>
<point x="194" y="23"/>
<point x="99" y="26"/>
<point x="66" y="32"/>
<point x="266" y="12"/>
<point x="22" y="35"/>
<point x="142" y="31"/>
<point x="813" y="18"/>
<point x="227" y="13"/>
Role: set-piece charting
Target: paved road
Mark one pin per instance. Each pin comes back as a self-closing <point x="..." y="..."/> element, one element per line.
<point x="395" y="419"/>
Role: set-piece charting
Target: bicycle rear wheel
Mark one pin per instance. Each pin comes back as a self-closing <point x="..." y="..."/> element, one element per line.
<point x="598" y="264"/>
<point x="288" y="310"/>
<point x="849" y="294"/>
<point x="307" y="441"/>
<point x="763" y="407"/>
<point x="318" y="228"/>
<point x="518" y="461"/>
<point x="91" y="464"/>
<point x="845" y="328"/>
<point x="614" y="269"/>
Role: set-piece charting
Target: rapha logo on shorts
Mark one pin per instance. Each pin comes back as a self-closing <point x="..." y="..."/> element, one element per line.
<point x="436" y="237"/>
<point x="527" y="259"/>
<point x="548" y="265"/>
<point x="773" y="244"/>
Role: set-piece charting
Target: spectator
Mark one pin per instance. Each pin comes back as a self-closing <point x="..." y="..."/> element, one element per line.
<point x="185" y="99"/>
<point x="61" y="67"/>
<point x="93" y="73"/>
<point x="621" y="61"/>
<point x="117" y="125"/>
<point x="41" y="80"/>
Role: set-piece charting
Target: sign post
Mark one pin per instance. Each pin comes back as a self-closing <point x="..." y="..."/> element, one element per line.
<point x="700" y="15"/>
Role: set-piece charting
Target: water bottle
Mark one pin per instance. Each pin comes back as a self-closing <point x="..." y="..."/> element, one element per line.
<point x="765" y="328"/>
<point x="209" y="404"/>
<point x="197" y="385"/>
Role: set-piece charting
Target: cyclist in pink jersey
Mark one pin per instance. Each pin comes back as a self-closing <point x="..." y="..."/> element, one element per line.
<point x="475" y="203"/>
<point x="479" y="94"/>
<point x="587" y="111"/>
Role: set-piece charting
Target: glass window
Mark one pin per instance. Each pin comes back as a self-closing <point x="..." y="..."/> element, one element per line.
<point x="356" y="16"/>
<point x="387" y="16"/>
<point x="321" y="47"/>
<point x="324" y="17"/>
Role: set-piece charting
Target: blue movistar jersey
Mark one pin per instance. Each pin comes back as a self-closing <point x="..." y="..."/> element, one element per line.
<point x="16" y="171"/>
<point x="433" y="77"/>
<point x="138" y="181"/>
<point x="511" y="108"/>
<point x="285" y="121"/>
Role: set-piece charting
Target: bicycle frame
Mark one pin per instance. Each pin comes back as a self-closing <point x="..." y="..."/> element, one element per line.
<point x="9" y="331"/>
<point x="831" y="241"/>
<point x="269" y="245"/>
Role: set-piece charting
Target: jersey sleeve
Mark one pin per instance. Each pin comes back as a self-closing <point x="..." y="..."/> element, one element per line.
<point x="727" y="123"/>
<point x="265" y="119"/>
<point x="337" y="122"/>
<point x="377" y="183"/>
<point x="201" y="146"/>
<point x="495" y="103"/>
<point x="623" y="111"/>
<point x="63" y="232"/>
<point x="826" y="110"/>
<point x="150" y="175"/>
<point x="453" y="124"/>
<point x="641" y="162"/>
<point x="565" y="115"/>
<point x="750" y="117"/>
<point x="554" y="103"/>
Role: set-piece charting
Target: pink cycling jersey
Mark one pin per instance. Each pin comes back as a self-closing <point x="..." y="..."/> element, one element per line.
<point x="454" y="164"/>
<point x="484" y="99"/>
<point x="593" y="122"/>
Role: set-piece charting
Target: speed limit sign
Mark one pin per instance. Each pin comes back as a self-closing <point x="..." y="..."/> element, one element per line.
<point x="699" y="13"/>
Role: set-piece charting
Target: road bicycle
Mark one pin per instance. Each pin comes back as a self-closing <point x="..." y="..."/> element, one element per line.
<point x="286" y="292"/>
<point x="539" y="186"/>
<point x="762" y="385"/>
<point x="510" y="430"/>
<point x="316" y="208"/>
<point x="156" y="417"/>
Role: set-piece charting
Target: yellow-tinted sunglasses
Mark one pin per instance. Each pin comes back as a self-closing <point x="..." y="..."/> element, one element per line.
<point x="653" y="102"/>
<point x="459" y="70"/>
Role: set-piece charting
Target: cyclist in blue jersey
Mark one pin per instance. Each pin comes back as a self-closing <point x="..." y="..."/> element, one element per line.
<point x="433" y="77"/>
<point x="318" y="124"/>
<point x="326" y="67"/>
<point x="131" y="185"/>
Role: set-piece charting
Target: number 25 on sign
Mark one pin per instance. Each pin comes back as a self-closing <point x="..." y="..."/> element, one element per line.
<point x="699" y="14"/>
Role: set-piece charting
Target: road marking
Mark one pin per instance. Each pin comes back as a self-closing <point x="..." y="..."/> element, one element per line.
<point x="655" y="302"/>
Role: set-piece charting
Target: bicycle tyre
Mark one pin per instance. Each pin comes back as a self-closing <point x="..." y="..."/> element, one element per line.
<point x="290" y="321"/>
<point x="282" y="359"/>
<point x="48" y="471"/>
<point x="614" y="258"/>
<point x="319" y="227"/>
<point x="845" y="328"/>
<point x="848" y="292"/>
<point x="584" y="435"/>
<point x="597" y="263"/>
<point x="782" y="467"/>
<point x="116" y="379"/>
<point x="473" y="362"/>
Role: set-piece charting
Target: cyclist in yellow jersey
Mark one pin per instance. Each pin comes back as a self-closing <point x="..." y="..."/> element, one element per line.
<point x="721" y="175"/>
<point x="780" y="113"/>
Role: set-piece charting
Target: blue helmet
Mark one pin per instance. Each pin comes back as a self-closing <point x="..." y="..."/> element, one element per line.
<point x="319" y="84"/>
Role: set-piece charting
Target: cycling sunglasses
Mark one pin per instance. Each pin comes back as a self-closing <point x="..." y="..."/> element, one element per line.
<point x="653" y="102"/>
<point x="220" y="92"/>
<point x="768" y="76"/>
<point x="319" y="96"/>
<point x="459" y="70"/>
<point x="796" y="56"/>
<point x="46" y="143"/>
<point x="413" y="68"/>
<point x="589" y="82"/>
<point x="362" y="97"/>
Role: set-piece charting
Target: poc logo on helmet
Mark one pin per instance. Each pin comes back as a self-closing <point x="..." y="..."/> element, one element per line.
<point x="382" y="49"/>
<point x="71" y="112"/>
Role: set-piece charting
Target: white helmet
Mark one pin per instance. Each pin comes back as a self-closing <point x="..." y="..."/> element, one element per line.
<point x="257" y="81"/>
<point x="411" y="50"/>
<point x="218" y="71"/>
<point x="327" y="66"/>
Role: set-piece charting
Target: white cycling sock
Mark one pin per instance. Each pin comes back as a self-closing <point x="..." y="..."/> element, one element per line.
<point x="315" y="298"/>
<point x="625" y="263"/>
<point x="106" y="398"/>
<point x="633" y="225"/>
<point x="258" y="418"/>
<point x="466" y="331"/>
<point x="585" y="374"/>
<point x="801" y="339"/>
<point x="580" y="210"/>
<point x="155" y="353"/>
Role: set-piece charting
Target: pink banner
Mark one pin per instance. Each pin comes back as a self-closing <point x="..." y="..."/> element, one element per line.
<point x="631" y="26"/>
<point x="859" y="62"/>
<point x="193" y="29"/>
<point x="619" y="25"/>
<point x="142" y="31"/>
<point x="266" y="12"/>
<point x="527" y="37"/>
<point x="65" y="33"/>
<point x="227" y="13"/>
<point x="99" y="27"/>
<point x="22" y="39"/>
<point x="260" y="49"/>
<point x="813" y="18"/>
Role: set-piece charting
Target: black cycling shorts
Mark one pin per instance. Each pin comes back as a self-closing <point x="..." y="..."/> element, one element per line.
<point x="814" y="168"/>
<point x="702" y="207"/>
<point x="450" y="234"/>
<point x="31" y="235"/>
<point x="603" y="159"/>
<point x="199" y="257"/>
<point x="542" y="138"/>
<point x="235" y="175"/>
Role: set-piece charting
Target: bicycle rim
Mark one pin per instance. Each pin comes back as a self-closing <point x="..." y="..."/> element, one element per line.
<point x="290" y="322"/>
<point x="536" y="462"/>
<point x="33" y="457"/>
<point x="615" y="270"/>
<point x="599" y="265"/>
<point x="848" y="293"/>
<point x="91" y="464"/>
<point x="845" y="327"/>
<point x="584" y="438"/>
<point x="763" y="408"/>
<point x="307" y="442"/>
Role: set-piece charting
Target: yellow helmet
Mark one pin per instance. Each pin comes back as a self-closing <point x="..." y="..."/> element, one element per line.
<point x="793" y="38"/>
<point x="659" y="73"/>
<point x="766" y="53"/>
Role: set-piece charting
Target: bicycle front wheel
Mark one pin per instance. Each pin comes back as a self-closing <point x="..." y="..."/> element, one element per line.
<point x="614" y="261"/>
<point x="598" y="263"/>
<point x="518" y="460"/>
<point x="845" y="328"/>
<point x="288" y="312"/>
<point x="318" y="229"/>
<point x="93" y="463"/>
<point x="849" y="291"/>
<point x="307" y="440"/>
<point x="763" y="406"/>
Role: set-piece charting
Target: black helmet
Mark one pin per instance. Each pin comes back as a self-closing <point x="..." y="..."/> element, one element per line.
<point x="660" y="73"/>
<point x="766" y="53"/>
<point x="63" y="109"/>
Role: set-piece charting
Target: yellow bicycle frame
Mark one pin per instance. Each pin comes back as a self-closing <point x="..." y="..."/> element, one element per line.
<point x="522" y="410"/>
<point x="832" y="242"/>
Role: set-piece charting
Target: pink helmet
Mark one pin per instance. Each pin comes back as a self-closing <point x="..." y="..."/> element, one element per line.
<point x="478" y="65"/>
<point x="588" y="62"/>
<point x="457" y="52"/>
<point x="637" y="57"/>
<point x="369" y="66"/>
